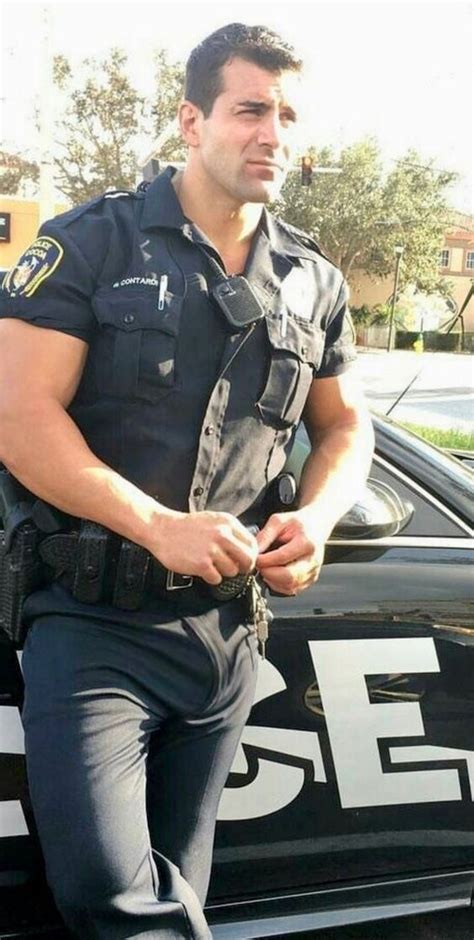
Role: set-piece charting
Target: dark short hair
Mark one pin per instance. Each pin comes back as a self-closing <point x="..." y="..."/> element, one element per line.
<point x="256" y="44"/>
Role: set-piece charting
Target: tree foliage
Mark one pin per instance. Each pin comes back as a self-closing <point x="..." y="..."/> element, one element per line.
<point x="15" y="172"/>
<point x="359" y="214"/>
<point x="106" y="123"/>
<point x="169" y="85"/>
<point x="95" y="146"/>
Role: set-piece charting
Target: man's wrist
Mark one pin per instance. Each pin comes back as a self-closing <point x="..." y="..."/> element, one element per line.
<point x="150" y="524"/>
<point x="314" y="517"/>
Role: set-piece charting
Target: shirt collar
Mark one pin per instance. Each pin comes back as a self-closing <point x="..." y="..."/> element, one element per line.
<point x="283" y="240"/>
<point x="162" y="208"/>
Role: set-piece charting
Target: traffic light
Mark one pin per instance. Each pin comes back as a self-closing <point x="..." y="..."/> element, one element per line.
<point x="306" y="171"/>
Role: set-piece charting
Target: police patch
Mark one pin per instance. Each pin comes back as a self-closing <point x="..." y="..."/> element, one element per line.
<point x="36" y="264"/>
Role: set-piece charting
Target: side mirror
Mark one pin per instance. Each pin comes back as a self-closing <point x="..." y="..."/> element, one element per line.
<point x="378" y="513"/>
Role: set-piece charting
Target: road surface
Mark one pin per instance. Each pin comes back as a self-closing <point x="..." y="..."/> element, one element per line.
<point x="441" y="386"/>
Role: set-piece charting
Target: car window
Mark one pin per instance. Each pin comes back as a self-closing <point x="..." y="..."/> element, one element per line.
<point x="430" y="518"/>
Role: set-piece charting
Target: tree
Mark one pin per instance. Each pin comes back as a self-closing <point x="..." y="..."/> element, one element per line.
<point x="361" y="213"/>
<point x="96" y="148"/>
<point x="15" y="172"/>
<point x="106" y="123"/>
<point x="169" y="84"/>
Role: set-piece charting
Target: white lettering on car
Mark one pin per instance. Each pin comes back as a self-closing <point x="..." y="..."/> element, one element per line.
<point x="355" y="725"/>
<point x="12" y="819"/>
<point x="356" y="728"/>
<point x="276" y="784"/>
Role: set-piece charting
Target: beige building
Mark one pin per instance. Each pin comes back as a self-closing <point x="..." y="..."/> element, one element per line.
<point x="456" y="264"/>
<point x="19" y="223"/>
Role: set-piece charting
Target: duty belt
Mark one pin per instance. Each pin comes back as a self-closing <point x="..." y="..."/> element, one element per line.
<point x="99" y="566"/>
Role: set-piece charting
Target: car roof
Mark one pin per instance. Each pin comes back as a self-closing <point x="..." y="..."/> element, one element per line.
<point x="437" y="471"/>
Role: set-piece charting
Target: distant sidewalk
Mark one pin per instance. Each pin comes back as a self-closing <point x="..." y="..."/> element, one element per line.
<point x="441" y="392"/>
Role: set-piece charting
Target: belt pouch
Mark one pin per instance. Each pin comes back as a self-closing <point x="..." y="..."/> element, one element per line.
<point x="91" y="563"/>
<point x="130" y="577"/>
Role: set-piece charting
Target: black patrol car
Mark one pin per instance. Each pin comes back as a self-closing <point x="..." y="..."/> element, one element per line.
<point x="351" y="794"/>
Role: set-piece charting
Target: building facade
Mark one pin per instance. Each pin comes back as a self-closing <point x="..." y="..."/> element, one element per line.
<point x="456" y="264"/>
<point x="19" y="223"/>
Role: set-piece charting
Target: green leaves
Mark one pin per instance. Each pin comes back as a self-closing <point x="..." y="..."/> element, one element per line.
<point x="361" y="213"/>
<point x="95" y="146"/>
<point x="15" y="170"/>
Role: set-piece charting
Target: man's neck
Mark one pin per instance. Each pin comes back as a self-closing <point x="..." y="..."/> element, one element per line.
<point x="229" y="226"/>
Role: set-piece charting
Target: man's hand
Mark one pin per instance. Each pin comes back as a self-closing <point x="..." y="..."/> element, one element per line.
<point x="296" y="561"/>
<point x="210" y="545"/>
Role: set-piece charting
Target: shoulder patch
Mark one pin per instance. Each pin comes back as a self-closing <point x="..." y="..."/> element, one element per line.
<point x="33" y="267"/>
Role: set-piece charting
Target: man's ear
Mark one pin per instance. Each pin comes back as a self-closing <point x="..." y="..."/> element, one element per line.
<point x="190" y="117"/>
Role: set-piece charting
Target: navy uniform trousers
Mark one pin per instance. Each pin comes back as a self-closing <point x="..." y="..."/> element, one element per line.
<point x="130" y="734"/>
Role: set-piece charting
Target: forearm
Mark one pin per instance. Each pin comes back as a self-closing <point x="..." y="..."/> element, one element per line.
<point x="45" y="450"/>
<point x="336" y="469"/>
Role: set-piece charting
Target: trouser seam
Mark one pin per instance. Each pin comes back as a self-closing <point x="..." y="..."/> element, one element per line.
<point x="156" y="887"/>
<point x="191" y="933"/>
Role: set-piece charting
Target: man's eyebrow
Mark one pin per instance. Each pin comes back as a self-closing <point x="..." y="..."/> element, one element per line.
<point x="250" y="103"/>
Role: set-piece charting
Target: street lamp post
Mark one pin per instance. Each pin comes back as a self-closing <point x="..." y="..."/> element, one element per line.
<point x="398" y="253"/>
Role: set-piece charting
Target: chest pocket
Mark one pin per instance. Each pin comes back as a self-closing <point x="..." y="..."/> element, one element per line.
<point x="135" y="352"/>
<point x="294" y="358"/>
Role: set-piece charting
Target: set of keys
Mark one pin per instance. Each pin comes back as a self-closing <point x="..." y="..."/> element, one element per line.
<point x="260" y="613"/>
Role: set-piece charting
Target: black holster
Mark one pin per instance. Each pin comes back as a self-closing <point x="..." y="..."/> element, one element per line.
<point x="21" y="568"/>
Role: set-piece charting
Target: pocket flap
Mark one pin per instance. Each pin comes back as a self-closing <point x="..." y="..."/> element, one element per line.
<point x="134" y="310"/>
<point x="302" y="339"/>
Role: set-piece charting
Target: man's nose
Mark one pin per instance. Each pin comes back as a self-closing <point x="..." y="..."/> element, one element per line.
<point x="270" y="131"/>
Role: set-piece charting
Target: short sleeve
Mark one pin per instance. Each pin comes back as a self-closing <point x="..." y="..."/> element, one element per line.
<point x="339" y="348"/>
<point x="51" y="284"/>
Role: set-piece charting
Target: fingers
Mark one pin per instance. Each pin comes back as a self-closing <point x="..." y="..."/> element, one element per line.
<point x="289" y="539"/>
<point x="285" y="554"/>
<point x="210" y="574"/>
<point x="293" y="578"/>
<point x="237" y="546"/>
<point x="229" y="548"/>
<point x="226" y="566"/>
<point x="271" y="532"/>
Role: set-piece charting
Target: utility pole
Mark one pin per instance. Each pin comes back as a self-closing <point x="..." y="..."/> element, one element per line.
<point x="398" y="252"/>
<point x="46" y="123"/>
<point x="150" y="163"/>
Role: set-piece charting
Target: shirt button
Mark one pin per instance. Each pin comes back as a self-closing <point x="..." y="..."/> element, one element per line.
<point x="198" y="491"/>
<point x="209" y="430"/>
<point x="304" y="350"/>
<point x="128" y="318"/>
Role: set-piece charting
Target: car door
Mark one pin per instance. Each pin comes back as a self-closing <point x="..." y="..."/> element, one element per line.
<point x="358" y="758"/>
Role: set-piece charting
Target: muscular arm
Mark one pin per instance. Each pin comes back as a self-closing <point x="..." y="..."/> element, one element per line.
<point x="339" y="427"/>
<point x="341" y="436"/>
<point x="40" y="370"/>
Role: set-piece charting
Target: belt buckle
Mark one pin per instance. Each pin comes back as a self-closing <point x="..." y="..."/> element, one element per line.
<point x="172" y="576"/>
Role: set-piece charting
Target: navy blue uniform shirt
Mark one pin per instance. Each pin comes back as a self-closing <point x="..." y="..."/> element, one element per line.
<point x="196" y="416"/>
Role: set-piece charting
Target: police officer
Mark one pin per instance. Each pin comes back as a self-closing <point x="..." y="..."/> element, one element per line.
<point x="148" y="387"/>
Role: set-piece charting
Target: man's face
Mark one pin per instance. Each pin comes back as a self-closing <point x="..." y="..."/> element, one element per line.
<point x="248" y="141"/>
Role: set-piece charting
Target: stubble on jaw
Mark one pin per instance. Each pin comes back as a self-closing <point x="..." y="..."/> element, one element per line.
<point x="236" y="187"/>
